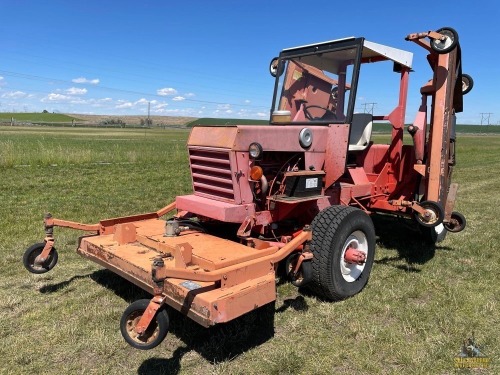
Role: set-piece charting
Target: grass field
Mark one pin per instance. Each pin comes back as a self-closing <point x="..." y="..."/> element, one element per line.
<point x="419" y="305"/>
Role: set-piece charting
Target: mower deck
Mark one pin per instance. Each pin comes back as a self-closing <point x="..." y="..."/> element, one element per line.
<point x="130" y="250"/>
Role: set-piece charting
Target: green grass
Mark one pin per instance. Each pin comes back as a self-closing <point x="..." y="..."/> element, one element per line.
<point x="418" y="307"/>
<point x="35" y="117"/>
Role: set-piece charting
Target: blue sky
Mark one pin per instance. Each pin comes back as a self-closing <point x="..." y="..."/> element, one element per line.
<point x="211" y="58"/>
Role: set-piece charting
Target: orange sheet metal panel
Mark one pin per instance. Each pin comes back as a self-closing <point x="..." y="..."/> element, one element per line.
<point x="213" y="136"/>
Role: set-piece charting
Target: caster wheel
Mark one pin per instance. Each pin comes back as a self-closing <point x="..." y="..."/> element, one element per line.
<point x="303" y="276"/>
<point x="434" y="214"/>
<point x="30" y="255"/>
<point x="448" y="43"/>
<point x="457" y="223"/>
<point x="467" y="83"/>
<point x="154" y="335"/>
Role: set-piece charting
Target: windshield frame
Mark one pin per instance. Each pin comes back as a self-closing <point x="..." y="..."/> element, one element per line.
<point x="317" y="49"/>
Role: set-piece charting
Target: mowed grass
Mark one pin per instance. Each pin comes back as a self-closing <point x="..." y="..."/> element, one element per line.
<point x="419" y="305"/>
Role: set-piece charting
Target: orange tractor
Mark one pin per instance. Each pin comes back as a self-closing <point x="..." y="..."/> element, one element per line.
<point x="297" y="192"/>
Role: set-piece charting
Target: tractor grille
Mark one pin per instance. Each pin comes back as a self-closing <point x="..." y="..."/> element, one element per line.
<point x="211" y="173"/>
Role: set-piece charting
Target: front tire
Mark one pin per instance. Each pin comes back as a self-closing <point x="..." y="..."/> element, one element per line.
<point x="335" y="229"/>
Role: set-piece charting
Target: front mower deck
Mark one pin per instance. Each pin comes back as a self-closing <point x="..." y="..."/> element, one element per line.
<point x="238" y="281"/>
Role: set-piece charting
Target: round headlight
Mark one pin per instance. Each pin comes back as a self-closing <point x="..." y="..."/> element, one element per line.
<point x="255" y="150"/>
<point x="305" y="137"/>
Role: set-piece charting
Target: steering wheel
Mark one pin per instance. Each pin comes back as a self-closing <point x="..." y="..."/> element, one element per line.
<point x="329" y="115"/>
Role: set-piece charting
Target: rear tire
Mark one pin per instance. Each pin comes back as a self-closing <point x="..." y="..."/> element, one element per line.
<point x="334" y="229"/>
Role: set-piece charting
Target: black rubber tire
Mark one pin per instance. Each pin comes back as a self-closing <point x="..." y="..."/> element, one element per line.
<point x="277" y="69"/>
<point x="467" y="83"/>
<point x="304" y="275"/>
<point x="156" y="332"/>
<point x="457" y="222"/>
<point x="433" y="235"/>
<point x="35" y="250"/>
<point x="436" y="208"/>
<point x="332" y="228"/>
<point x="440" y="46"/>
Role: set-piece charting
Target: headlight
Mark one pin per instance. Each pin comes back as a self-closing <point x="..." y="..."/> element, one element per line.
<point x="255" y="150"/>
<point x="305" y="138"/>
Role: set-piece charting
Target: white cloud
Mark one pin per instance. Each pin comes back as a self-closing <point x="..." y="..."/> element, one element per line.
<point x="105" y="100"/>
<point x="262" y="114"/>
<point x="124" y="104"/>
<point x="189" y="95"/>
<point x="14" y="95"/>
<point x="179" y="98"/>
<point x="2" y="81"/>
<point x="247" y="101"/>
<point x="94" y="81"/>
<point x="166" y="91"/>
<point x="54" y="97"/>
<point x="76" y="91"/>
<point x="228" y="111"/>
<point x="142" y="101"/>
<point x="159" y="106"/>
<point x="223" y="106"/>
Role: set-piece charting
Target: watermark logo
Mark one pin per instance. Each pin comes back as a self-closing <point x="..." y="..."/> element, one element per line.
<point x="471" y="355"/>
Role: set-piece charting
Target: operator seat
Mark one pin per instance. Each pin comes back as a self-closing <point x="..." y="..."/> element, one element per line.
<point x="361" y="131"/>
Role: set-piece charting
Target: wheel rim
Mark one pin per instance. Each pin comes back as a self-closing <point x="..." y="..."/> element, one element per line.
<point x="32" y="261"/>
<point x="149" y="336"/>
<point x="431" y="219"/>
<point x="446" y="43"/>
<point x="439" y="229"/>
<point x="351" y="271"/>
<point x="465" y="84"/>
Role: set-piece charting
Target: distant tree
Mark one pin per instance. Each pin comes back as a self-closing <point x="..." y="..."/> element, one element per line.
<point x="45" y="111"/>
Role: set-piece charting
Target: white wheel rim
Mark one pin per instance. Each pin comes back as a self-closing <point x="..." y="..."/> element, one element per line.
<point x="351" y="271"/>
<point x="443" y="44"/>
<point x="439" y="229"/>
<point x="465" y="85"/>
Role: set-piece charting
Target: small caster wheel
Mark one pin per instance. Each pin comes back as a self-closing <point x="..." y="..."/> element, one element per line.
<point x="276" y="67"/>
<point x="304" y="274"/>
<point x="457" y="223"/>
<point x="434" y="214"/>
<point x="467" y="83"/>
<point x="448" y="43"/>
<point x="154" y="335"/>
<point x="30" y="255"/>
